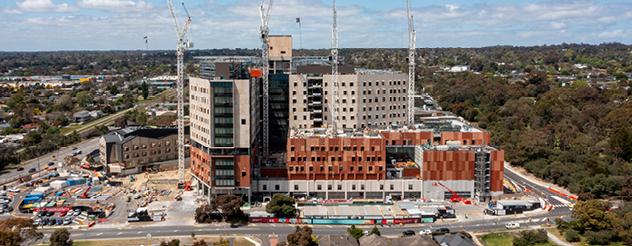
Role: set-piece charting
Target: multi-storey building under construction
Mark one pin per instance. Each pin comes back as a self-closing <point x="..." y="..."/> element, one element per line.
<point x="373" y="155"/>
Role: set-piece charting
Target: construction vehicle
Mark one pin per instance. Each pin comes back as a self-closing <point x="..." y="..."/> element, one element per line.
<point x="455" y="197"/>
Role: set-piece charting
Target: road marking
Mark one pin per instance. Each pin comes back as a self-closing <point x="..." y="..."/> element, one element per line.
<point x="139" y="232"/>
<point x="564" y="201"/>
<point x="328" y="226"/>
<point x="119" y="233"/>
<point x="99" y="234"/>
<point x="175" y="231"/>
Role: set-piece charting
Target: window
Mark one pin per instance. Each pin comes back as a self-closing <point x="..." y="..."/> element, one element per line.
<point x="392" y="187"/>
<point x="319" y="187"/>
<point x="295" y="187"/>
<point x="410" y="187"/>
<point x="353" y="187"/>
<point x="361" y="187"/>
<point x="329" y="187"/>
<point x="276" y="187"/>
<point x="243" y="121"/>
<point x="381" y="187"/>
<point x="264" y="187"/>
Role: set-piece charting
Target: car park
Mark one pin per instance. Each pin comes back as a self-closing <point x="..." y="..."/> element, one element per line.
<point x="512" y="225"/>
<point x="407" y="233"/>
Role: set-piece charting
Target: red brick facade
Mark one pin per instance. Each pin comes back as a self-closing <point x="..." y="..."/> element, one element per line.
<point x="336" y="158"/>
<point x="202" y="168"/>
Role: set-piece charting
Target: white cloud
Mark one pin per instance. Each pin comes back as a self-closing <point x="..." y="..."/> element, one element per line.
<point x="117" y="5"/>
<point x="39" y="6"/>
<point x="558" y="25"/>
<point x="612" y="34"/>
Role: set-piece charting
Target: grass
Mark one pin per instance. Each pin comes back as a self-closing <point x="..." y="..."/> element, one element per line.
<point x="503" y="239"/>
<point x="497" y="239"/>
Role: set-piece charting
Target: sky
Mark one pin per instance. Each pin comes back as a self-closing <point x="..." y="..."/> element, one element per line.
<point x="44" y="25"/>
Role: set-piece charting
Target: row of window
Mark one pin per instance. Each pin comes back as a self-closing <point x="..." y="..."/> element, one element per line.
<point x="339" y="187"/>
<point x="364" y="84"/>
<point x="332" y="158"/>
<point x="331" y="168"/>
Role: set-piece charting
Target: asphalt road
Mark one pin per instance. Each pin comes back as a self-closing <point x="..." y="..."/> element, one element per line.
<point x="263" y="230"/>
<point x="542" y="191"/>
<point x="85" y="146"/>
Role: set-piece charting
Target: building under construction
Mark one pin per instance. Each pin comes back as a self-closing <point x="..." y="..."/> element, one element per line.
<point x="328" y="130"/>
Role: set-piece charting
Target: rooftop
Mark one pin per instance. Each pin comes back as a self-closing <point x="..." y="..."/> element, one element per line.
<point x="126" y="134"/>
<point x="328" y="133"/>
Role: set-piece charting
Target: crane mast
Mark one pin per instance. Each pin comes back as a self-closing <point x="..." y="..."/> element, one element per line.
<point x="412" y="39"/>
<point x="265" y="48"/>
<point x="334" y="70"/>
<point x="181" y="46"/>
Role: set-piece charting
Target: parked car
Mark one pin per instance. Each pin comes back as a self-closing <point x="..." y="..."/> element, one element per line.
<point x="512" y="225"/>
<point x="50" y="213"/>
<point x="440" y="231"/>
<point x="32" y="170"/>
<point x="76" y="212"/>
<point x="20" y="169"/>
<point x="51" y="164"/>
<point x="408" y="233"/>
<point x="14" y="190"/>
<point x="425" y="232"/>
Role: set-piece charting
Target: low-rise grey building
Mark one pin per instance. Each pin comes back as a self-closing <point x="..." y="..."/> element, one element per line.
<point x="136" y="149"/>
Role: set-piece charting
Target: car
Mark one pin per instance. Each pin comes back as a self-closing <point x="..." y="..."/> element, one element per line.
<point x="41" y="213"/>
<point x="512" y="225"/>
<point x="77" y="212"/>
<point x="32" y="170"/>
<point x="20" y="169"/>
<point x="441" y="231"/>
<point x="51" y="221"/>
<point x="425" y="232"/>
<point x="51" y="164"/>
<point x="50" y="213"/>
<point x="14" y="190"/>
<point x="67" y="222"/>
<point x="407" y="233"/>
<point x="63" y="214"/>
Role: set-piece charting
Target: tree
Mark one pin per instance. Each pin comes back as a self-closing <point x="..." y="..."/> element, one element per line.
<point x="173" y="242"/>
<point x="593" y="216"/>
<point x="301" y="237"/>
<point x="355" y="232"/>
<point x="200" y="242"/>
<point x="282" y="206"/>
<point x="60" y="237"/>
<point x="230" y="207"/>
<point x="571" y="235"/>
<point x="221" y="242"/>
<point x="113" y="90"/>
<point x="526" y="238"/>
<point x="84" y="98"/>
<point x="375" y="231"/>
<point x="145" y="88"/>
<point x="63" y="103"/>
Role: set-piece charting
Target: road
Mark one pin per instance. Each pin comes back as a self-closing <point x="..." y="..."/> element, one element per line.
<point x="41" y="162"/>
<point x="263" y="230"/>
<point x="539" y="188"/>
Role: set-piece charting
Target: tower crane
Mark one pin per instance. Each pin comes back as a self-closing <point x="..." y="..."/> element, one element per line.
<point x="334" y="69"/>
<point x="265" y="49"/>
<point x="182" y="45"/>
<point x="412" y="39"/>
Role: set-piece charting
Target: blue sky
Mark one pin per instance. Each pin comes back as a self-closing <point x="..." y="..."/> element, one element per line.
<point x="30" y="25"/>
